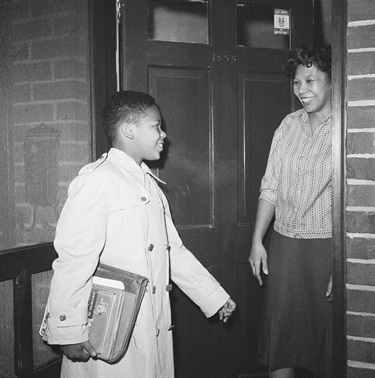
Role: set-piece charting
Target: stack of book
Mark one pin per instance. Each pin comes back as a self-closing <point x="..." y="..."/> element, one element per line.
<point x="113" y="306"/>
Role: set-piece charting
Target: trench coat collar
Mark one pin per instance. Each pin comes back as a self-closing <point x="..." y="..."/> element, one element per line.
<point x="130" y="164"/>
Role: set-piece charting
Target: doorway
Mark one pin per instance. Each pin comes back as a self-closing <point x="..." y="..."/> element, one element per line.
<point x="215" y="69"/>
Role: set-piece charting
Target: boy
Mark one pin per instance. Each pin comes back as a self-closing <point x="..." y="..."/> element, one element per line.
<point x="115" y="211"/>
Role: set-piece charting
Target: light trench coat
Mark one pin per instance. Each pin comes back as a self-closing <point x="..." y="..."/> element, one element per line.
<point x="116" y="212"/>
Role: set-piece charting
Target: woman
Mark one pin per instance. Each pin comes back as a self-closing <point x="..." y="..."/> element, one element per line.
<point x="296" y="189"/>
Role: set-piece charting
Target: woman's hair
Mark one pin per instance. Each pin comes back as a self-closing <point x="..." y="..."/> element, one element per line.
<point x="124" y="107"/>
<point x="320" y="56"/>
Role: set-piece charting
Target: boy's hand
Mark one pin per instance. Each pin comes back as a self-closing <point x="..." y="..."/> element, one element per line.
<point x="226" y="311"/>
<point x="79" y="352"/>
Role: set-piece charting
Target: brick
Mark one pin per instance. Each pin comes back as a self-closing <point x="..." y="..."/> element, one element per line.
<point x="361" y="117"/>
<point x="361" y="351"/>
<point x="21" y="93"/>
<point x="360" y="326"/>
<point x="361" y="168"/>
<point x="60" y="90"/>
<point x="61" y="195"/>
<point x="360" y="373"/>
<point x="69" y="69"/>
<point x="19" y="174"/>
<point x="360" y="301"/>
<point x="42" y="7"/>
<point x="23" y="212"/>
<point x="38" y="235"/>
<point x="18" y="153"/>
<point x="361" y="89"/>
<point x="69" y="132"/>
<point x="59" y="47"/>
<point x="31" y="29"/>
<point x="19" y="194"/>
<point x="20" y="9"/>
<point x="361" y="36"/>
<point x="361" y="10"/>
<point x="361" y="195"/>
<point x="360" y="143"/>
<point x="68" y="172"/>
<point x="32" y="113"/>
<point x="360" y="274"/>
<point x="32" y="72"/>
<point x="19" y="132"/>
<point x="75" y="131"/>
<point x="361" y="63"/>
<point x="62" y="192"/>
<point x="360" y="222"/>
<point x="360" y="248"/>
<point x="72" y="111"/>
<point x="71" y="24"/>
<point x="74" y="153"/>
<point x="20" y="51"/>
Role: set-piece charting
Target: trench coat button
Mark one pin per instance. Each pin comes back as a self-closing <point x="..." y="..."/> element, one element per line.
<point x="143" y="199"/>
<point x="62" y="318"/>
<point x="150" y="247"/>
<point x="171" y="327"/>
<point x="154" y="289"/>
<point x="168" y="287"/>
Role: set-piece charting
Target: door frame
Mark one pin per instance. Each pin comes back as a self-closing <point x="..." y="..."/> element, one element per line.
<point x="339" y="59"/>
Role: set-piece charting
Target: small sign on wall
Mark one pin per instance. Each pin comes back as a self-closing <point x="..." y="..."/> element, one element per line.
<point x="281" y="21"/>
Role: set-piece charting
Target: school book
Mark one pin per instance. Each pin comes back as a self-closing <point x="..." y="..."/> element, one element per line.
<point x="104" y="309"/>
<point x="113" y="306"/>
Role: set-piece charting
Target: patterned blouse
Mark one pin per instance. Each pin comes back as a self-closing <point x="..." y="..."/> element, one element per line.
<point x="298" y="178"/>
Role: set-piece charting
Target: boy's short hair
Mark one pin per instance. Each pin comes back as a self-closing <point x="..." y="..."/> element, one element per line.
<point x="320" y="56"/>
<point x="124" y="107"/>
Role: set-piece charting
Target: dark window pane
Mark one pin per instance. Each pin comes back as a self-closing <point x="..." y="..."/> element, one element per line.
<point x="178" y="21"/>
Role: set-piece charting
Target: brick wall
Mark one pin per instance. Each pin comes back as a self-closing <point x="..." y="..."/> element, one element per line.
<point x="50" y="87"/>
<point x="361" y="189"/>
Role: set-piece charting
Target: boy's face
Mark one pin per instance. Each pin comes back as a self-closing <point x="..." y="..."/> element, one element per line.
<point x="148" y="136"/>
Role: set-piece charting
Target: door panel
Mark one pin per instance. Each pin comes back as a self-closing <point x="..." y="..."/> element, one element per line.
<point x="220" y="103"/>
<point x="189" y="144"/>
<point x="257" y="94"/>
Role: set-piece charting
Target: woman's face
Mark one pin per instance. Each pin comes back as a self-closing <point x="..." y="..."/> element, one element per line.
<point x="313" y="89"/>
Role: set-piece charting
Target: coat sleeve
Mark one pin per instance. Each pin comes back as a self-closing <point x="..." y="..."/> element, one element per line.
<point x="190" y="275"/>
<point x="80" y="237"/>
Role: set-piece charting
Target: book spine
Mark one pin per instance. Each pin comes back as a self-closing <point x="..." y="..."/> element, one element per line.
<point x="91" y="304"/>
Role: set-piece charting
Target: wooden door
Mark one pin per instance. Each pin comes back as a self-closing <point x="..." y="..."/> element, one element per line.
<point x="215" y="69"/>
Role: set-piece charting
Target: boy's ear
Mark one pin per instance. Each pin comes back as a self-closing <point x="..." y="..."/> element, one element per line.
<point x="127" y="129"/>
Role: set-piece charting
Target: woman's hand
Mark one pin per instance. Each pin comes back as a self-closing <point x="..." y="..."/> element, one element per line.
<point x="329" y="290"/>
<point x="258" y="254"/>
<point x="258" y="261"/>
<point x="79" y="352"/>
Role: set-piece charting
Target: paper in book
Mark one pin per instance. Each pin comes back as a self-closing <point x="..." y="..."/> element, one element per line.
<point x="108" y="282"/>
<point x="113" y="307"/>
<point x="105" y="305"/>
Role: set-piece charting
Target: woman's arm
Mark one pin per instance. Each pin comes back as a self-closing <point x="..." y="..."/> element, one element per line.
<point x="258" y="254"/>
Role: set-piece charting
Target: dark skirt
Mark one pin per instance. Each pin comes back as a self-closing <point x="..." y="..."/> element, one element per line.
<point x="297" y="318"/>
